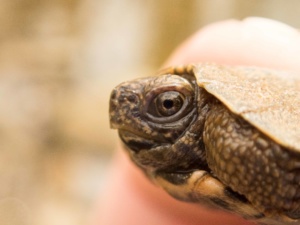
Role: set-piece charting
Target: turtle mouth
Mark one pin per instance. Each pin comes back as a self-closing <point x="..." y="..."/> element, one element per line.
<point x="136" y="142"/>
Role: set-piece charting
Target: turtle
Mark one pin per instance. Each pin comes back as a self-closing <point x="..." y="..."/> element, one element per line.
<point x="224" y="136"/>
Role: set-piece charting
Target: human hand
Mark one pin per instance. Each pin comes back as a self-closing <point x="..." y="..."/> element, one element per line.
<point x="130" y="198"/>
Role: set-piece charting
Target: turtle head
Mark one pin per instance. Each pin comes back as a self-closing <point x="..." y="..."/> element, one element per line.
<point x="154" y="117"/>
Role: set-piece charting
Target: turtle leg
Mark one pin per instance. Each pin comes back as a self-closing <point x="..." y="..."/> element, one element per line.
<point x="200" y="187"/>
<point x="251" y="164"/>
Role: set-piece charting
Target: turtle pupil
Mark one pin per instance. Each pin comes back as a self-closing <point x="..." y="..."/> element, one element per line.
<point x="168" y="104"/>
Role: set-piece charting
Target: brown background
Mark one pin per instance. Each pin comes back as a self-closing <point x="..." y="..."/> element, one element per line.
<point x="59" y="60"/>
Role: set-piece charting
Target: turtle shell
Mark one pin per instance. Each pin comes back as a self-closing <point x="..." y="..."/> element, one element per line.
<point x="267" y="99"/>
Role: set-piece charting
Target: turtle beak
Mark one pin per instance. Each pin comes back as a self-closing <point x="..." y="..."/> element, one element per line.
<point x="123" y="106"/>
<point x="113" y="107"/>
<point x="113" y="125"/>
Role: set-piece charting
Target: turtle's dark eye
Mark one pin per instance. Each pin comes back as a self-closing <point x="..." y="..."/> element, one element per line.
<point x="168" y="99"/>
<point x="169" y="106"/>
<point x="168" y="103"/>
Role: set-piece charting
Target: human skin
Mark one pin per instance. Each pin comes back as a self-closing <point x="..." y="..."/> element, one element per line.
<point x="129" y="197"/>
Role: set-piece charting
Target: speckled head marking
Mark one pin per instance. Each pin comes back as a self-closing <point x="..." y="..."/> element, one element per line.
<point x="227" y="137"/>
<point x="154" y="117"/>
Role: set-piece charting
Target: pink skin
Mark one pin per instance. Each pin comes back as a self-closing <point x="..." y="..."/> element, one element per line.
<point x="129" y="198"/>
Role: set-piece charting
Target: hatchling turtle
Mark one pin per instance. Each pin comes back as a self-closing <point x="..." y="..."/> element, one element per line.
<point x="223" y="136"/>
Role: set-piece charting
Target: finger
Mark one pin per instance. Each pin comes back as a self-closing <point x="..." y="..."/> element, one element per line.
<point x="253" y="41"/>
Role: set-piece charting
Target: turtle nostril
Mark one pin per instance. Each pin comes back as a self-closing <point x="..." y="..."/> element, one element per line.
<point x="132" y="98"/>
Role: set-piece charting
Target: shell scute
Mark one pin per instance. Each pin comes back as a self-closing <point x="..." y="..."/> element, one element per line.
<point x="267" y="99"/>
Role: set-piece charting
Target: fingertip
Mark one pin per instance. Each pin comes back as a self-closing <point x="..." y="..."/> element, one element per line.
<point x="252" y="41"/>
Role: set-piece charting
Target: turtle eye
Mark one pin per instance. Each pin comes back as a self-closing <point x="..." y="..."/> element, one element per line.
<point x="168" y="103"/>
<point x="168" y="99"/>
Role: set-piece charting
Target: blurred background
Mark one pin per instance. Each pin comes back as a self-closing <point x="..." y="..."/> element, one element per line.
<point x="59" y="61"/>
